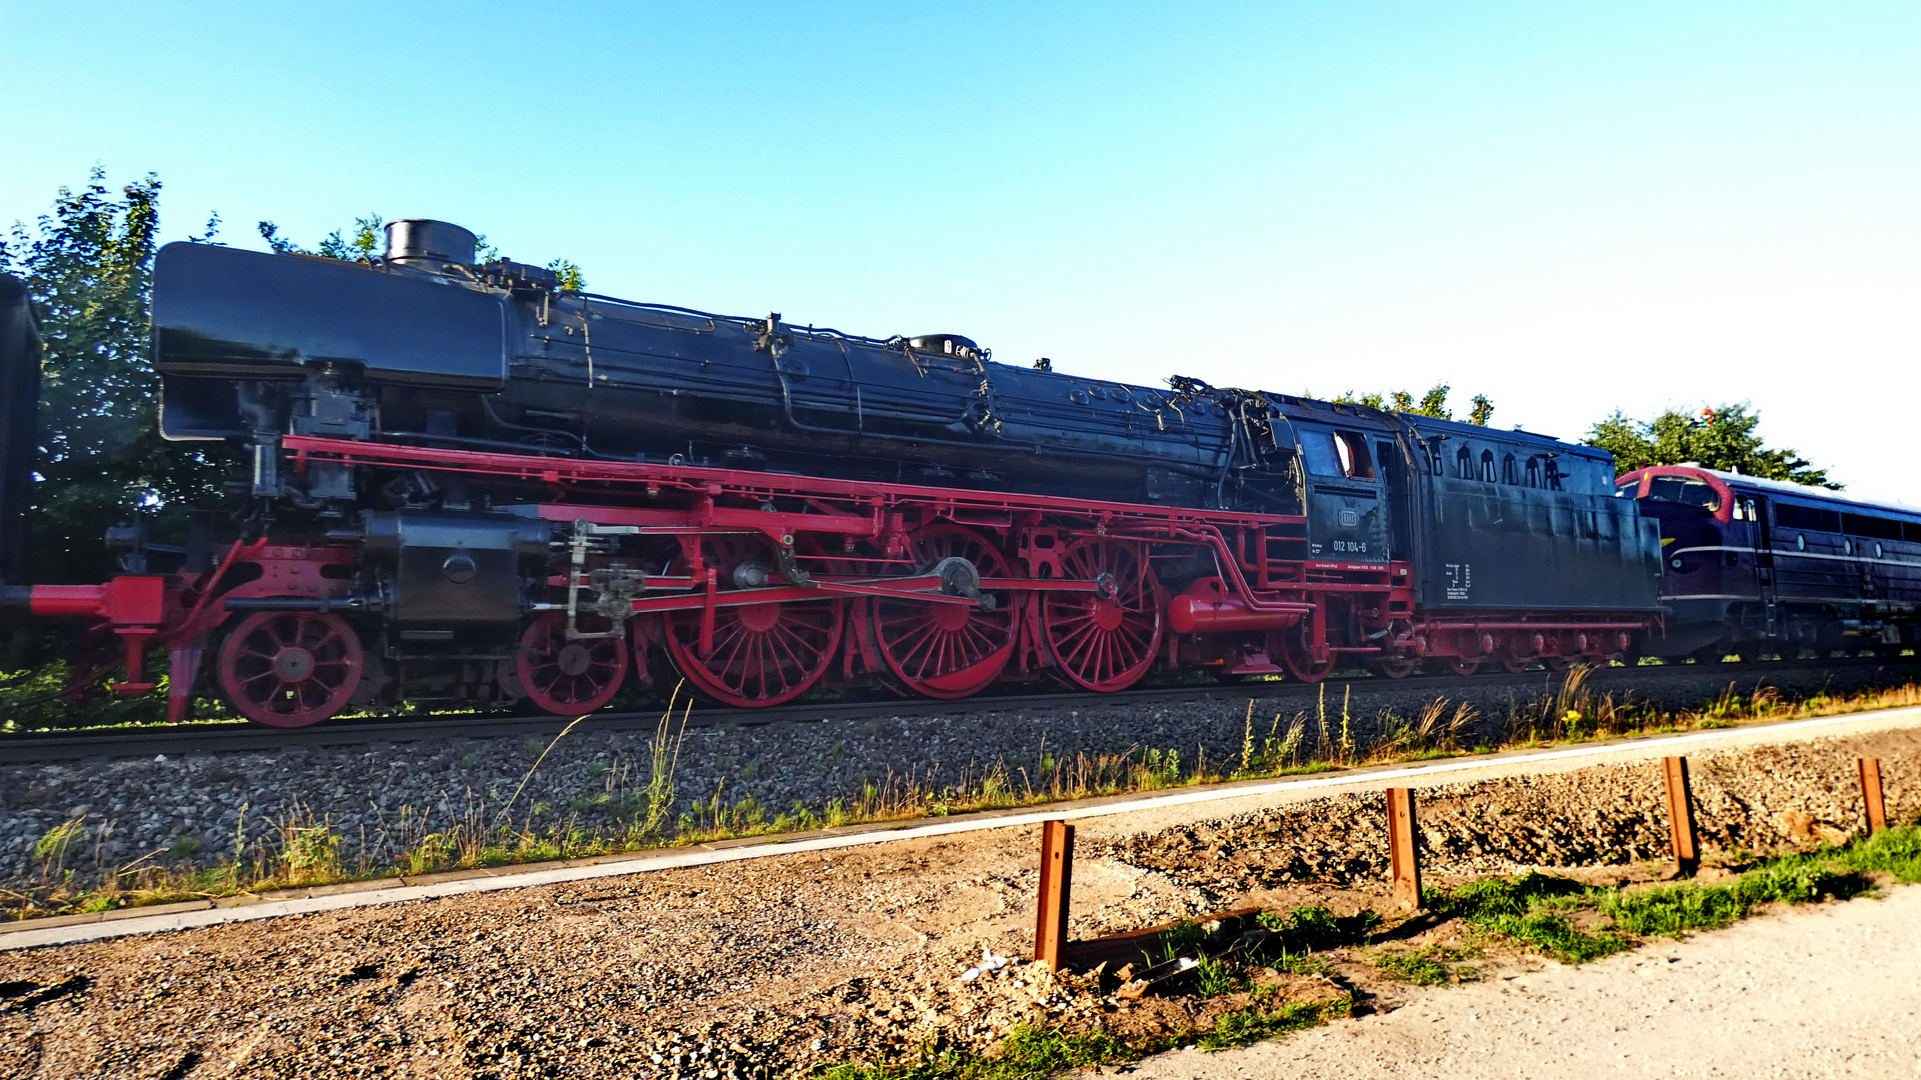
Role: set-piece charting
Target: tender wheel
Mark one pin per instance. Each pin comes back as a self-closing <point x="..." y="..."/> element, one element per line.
<point x="288" y="669"/>
<point x="947" y="650"/>
<point x="1514" y="665"/>
<point x="1557" y="663"/>
<point x="763" y="654"/>
<point x="1104" y="643"/>
<point x="569" y="678"/>
<point x="1464" y="665"/>
<point x="1298" y="660"/>
<point x="1399" y="667"/>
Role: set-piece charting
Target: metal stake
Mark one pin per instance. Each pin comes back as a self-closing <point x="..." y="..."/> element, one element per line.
<point x="1403" y="848"/>
<point x="1057" y="879"/>
<point x="1687" y="855"/>
<point x="1873" y="797"/>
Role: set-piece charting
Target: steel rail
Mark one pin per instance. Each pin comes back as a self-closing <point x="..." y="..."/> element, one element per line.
<point x="239" y="736"/>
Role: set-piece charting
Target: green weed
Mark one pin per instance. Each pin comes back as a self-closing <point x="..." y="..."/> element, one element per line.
<point x="1432" y="965"/>
<point x="1260" y="1021"/>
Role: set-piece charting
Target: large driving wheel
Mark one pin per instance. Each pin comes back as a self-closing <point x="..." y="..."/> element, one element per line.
<point x="1104" y="641"/>
<point x="569" y="678"/>
<point x="288" y="669"/>
<point x="947" y="650"/>
<point x="763" y="654"/>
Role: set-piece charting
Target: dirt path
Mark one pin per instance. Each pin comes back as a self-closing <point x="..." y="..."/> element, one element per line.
<point x="1830" y="991"/>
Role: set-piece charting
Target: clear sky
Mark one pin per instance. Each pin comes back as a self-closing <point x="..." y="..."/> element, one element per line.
<point x="1568" y="207"/>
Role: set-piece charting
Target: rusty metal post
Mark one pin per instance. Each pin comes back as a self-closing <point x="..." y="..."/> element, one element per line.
<point x="1687" y="854"/>
<point x="1057" y="880"/>
<point x="1404" y="848"/>
<point x="1873" y="797"/>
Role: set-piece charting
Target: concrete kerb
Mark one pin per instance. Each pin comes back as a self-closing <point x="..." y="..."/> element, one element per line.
<point x="37" y="934"/>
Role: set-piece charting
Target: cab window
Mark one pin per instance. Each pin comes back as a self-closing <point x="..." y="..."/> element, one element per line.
<point x="1336" y="453"/>
<point x="1318" y="448"/>
<point x="1627" y="489"/>
<point x="1677" y="489"/>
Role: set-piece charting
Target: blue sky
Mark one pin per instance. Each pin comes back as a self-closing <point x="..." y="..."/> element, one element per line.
<point x="1570" y="208"/>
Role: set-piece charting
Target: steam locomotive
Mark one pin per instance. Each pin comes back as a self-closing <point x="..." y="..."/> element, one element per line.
<point x="468" y="483"/>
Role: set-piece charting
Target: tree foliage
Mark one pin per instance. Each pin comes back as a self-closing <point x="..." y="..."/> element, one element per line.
<point x="1433" y="403"/>
<point x="100" y="461"/>
<point x="363" y="242"/>
<point x="1717" y="438"/>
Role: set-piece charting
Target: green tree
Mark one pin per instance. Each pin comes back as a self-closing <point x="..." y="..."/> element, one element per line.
<point x="363" y="242"/>
<point x="1718" y="438"/>
<point x="1433" y="403"/>
<point x="100" y="461"/>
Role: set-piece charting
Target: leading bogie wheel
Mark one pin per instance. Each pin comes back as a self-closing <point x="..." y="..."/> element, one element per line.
<point x="762" y="654"/>
<point x="569" y="678"/>
<point x="289" y="669"/>
<point x="945" y="649"/>
<point x="1106" y="640"/>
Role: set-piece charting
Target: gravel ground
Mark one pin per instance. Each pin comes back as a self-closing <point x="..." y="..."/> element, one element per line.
<point x="381" y="799"/>
<point x="1811" y="993"/>
<point x="770" y="966"/>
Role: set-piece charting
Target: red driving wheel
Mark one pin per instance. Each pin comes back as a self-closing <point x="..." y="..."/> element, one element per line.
<point x="763" y="654"/>
<point x="569" y="678"/>
<point x="1104" y="642"/>
<point x="288" y="669"/>
<point x="947" y="650"/>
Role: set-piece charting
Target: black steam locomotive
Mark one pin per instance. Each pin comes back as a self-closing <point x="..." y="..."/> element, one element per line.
<point x="468" y="482"/>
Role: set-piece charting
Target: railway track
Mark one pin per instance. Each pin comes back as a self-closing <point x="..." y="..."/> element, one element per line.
<point x="238" y="736"/>
<point x="67" y="930"/>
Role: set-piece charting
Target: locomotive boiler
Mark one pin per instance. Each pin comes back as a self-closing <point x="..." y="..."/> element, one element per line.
<point x="466" y="482"/>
